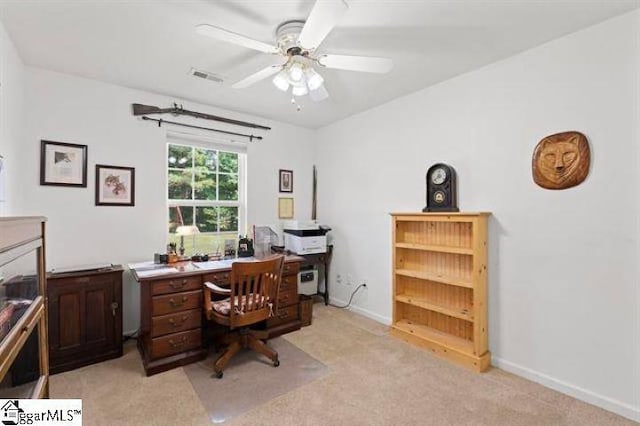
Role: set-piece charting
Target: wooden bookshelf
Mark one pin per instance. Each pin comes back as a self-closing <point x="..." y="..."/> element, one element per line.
<point x="440" y="284"/>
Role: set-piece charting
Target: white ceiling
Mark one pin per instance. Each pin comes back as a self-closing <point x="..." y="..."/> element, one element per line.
<point x="151" y="45"/>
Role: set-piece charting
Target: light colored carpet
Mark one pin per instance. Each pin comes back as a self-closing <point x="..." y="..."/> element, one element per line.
<point x="373" y="379"/>
<point x="251" y="380"/>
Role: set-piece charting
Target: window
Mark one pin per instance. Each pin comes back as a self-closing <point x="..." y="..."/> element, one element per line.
<point x="205" y="189"/>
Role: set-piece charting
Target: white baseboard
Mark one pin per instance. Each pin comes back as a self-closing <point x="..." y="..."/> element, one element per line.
<point x="585" y="395"/>
<point x="365" y="312"/>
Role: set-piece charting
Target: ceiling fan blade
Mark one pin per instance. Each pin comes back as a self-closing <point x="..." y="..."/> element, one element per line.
<point x="256" y="77"/>
<point x="323" y="17"/>
<point x="356" y="63"/>
<point x="234" y="38"/>
<point x="320" y="94"/>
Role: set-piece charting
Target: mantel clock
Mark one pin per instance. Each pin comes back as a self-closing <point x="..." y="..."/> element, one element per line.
<point x="441" y="189"/>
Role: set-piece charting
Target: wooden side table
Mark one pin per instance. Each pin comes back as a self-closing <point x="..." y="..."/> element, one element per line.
<point x="318" y="259"/>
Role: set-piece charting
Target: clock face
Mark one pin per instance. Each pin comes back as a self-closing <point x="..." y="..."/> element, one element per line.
<point x="438" y="176"/>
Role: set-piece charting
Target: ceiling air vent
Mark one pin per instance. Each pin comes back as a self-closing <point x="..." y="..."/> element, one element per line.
<point x="206" y="75"/>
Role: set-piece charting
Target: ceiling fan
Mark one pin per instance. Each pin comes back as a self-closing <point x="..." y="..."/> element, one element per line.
<point x="295" y="52"/>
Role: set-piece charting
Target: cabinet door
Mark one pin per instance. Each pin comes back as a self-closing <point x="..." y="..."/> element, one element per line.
<point x="99" y="317"/>
<point x="81" y="317"/>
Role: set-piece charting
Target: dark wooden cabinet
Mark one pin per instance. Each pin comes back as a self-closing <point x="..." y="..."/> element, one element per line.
<point x="85" y="318"/>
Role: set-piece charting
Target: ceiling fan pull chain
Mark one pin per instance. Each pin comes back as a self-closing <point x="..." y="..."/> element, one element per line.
<point x="297" y="105"/>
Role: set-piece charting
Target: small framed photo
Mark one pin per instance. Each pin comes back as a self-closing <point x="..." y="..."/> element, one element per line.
<point x="63" y="164"/>
<point x="115" y="186"/>
<point x="285" y="208"/>
<point x="286" y="180"/>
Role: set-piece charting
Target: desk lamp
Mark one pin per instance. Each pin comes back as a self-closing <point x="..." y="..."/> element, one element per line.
<point x="186" y="231"/>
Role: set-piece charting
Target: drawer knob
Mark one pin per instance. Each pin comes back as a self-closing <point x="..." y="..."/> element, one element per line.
<point x="175" y="304"/>
<point x="175" y="324"/>
<point x="177" y="285"/>
<point x="178" y="344"/>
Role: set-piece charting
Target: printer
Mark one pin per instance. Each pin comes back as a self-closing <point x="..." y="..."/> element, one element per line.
<point x="305" y="237"/>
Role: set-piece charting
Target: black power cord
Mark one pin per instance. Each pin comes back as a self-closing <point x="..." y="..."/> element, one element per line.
<point x="133" y="336"/>
<point x="350" y="299"/>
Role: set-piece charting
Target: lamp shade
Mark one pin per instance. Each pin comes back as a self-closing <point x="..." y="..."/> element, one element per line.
<point x="314" y="80"/>
<point x="296" y="73"/>
<point x="187" y="230"/>
<point x="281" y="81"/>
<point x="299" y="90"/>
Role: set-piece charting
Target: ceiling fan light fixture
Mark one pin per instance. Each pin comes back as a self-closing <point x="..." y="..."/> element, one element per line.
<point x="299" y="90"/>
<point x="296" y="72"/>
<point x="281" y="81"/>
<point x="314" y="80"/>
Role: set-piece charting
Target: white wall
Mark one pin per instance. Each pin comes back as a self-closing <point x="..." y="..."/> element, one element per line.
<point x="71" y="109"/>
<point x="11" y="114"/>
<point x="564" y="297"/>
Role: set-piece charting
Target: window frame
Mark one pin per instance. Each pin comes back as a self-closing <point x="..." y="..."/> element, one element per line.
<point x="240" y="203"/>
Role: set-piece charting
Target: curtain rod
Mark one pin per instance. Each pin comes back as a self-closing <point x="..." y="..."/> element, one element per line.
<point x="175" y="123"/>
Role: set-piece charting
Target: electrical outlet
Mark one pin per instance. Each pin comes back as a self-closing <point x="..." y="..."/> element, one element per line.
<point x="365" y="282"/>
<point x="339" y="279"/>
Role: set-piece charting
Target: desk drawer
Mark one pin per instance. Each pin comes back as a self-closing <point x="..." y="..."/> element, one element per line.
<point x="176" y="285"/>
<point x="287" y="297"/>
<point x="175" y="343"/>
<point x="291" y="268"/>
<point x="218" y="278"/>
<point x="174" y="323"/>
<point x="284" y="314"/>
<point x="289" y="282"/>
<point x="177" y="302"/>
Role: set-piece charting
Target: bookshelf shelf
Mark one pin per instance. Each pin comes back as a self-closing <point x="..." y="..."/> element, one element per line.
<point x="436" y="248"/>
<point x="424" y="303"/>
<point x="431" y="276"/>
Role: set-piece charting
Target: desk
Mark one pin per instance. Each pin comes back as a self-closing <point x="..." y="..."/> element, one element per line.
<point x="317" y="259"/>
<point x="172" y="324"/>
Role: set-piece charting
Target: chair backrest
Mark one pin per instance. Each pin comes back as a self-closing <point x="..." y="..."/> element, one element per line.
<point x="254" y="290"/>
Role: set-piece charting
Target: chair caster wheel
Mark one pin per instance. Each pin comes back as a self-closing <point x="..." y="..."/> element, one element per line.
<point x="276" y="363"/>
<point x="218" y="375"/>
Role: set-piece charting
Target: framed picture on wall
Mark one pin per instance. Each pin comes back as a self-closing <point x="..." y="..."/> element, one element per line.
<point x="115" y="186"/>
<point x="285" y="208"/>
<point x="63" y="164"/>
<point x="286" y="180"/>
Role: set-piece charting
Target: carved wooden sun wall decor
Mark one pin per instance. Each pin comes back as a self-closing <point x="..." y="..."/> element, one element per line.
<point x="561" y="161"/>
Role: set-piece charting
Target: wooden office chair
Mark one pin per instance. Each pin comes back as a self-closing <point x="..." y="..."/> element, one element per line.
<point x="252" y="298"/>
